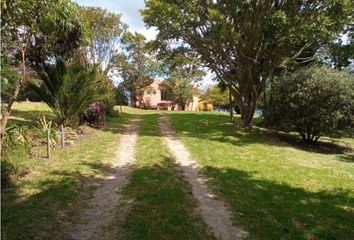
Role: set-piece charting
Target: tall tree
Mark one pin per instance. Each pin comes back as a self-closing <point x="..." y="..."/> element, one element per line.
<point x="244" y="42"/>
<point x="103" y="33"/>
<point x="34" y="31"/>
<point x="183" y="73"/>
<point x="137" y="67"/>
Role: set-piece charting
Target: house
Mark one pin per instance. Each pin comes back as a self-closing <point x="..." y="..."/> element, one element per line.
<point x="155" y="97"/>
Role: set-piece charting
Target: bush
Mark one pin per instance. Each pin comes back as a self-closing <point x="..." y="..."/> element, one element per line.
<point x="313" y="101"/>
<point x="70" y="89"/>
<point x="95" y="114"/>
<point x="14" y="148"/>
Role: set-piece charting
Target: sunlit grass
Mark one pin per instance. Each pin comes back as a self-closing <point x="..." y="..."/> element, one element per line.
<point x="277" y="190"/>
<point x="162" y="206"/>
<point x="44" y="200"/>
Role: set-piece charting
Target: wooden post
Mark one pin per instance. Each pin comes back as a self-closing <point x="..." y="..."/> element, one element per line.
<point x="48" y="144"/>
<point x="62" y="135"/>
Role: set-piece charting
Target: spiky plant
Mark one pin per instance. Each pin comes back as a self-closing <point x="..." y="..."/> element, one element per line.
<point x="69" y="90"/>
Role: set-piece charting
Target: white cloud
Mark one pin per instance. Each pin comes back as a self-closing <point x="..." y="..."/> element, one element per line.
<point x="130" y="13"/>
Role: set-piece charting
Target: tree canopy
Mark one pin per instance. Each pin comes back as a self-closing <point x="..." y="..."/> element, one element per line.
<point x="182" y="76"/>
<point x="103" y="33"/>
<point x="245" y="42"/>
<point x="137" y="66"/>
<point x="33" y="32"/>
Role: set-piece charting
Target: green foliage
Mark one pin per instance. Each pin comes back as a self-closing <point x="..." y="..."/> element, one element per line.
<point x="46" y="129"/>
<point x="102" y="32"/>
<point x="183" y="73"/>
<point x="216" y="96"/>
<point x="14" y="135"/>
<point x="120" y="97"/>
<point x="245" y="42"/>
<point x="15" y="145"/>
<point x="137" y="67"/>
<point x="312" y="101"/>
<point x="53" y="189"/>
<point x="341" y="53"/>
<point x="45" y="28"/>
<point x="69" y="90"/>
<point x="9" y="79"/>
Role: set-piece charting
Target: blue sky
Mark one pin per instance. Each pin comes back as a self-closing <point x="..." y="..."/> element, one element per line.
<point x="129" y="10"/>
<point x="131" y="15"/>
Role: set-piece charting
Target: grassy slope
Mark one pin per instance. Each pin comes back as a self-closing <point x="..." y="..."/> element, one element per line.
<point x="276" y="190"/>
<point x="39" y="205"/>
<point x="162" y="203"/>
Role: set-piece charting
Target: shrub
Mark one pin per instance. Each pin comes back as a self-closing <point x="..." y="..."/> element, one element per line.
<point x="15" y="134"/>
<point x="69" y="90"/>
<point x="14" y="149"/>
<point x="46" y="129"/>
<point x="95" y="114"/>
<point x="312" y="101"/>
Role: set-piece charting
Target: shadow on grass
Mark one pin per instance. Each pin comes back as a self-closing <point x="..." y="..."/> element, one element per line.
<point x="46" y="213"/>
<point x="347" y="158"/>
<point x="216" y="127"/>
<point x="26" y="117"/>
<point x="53" y="196"/>
<point x="268" y="209"/>
<point x="162" y="205"/>
<point x="272" y="210"/>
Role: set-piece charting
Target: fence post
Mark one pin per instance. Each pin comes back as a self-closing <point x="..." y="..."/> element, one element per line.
<point x="62" y="135"/>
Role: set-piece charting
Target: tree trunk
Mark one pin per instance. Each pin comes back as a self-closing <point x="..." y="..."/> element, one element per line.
<point x="248" y="104"/>
<point x="7" y="111"/>
<point x="231" y="107"/>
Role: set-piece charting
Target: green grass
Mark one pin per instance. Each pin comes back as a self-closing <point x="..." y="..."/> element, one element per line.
<point x="162" y="204"/>
<point x="27" y="113"/>
<point x="43" y="202"/>
<point x="276" y="189"/>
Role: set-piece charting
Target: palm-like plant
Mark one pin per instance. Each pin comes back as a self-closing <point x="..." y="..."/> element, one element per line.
<point x="69" y="90"/>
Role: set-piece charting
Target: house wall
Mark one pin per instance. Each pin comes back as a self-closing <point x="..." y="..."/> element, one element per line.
<point x="153" y="96"/>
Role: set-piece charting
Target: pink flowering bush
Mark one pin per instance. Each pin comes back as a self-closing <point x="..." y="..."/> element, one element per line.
<point x="95" y="114"/>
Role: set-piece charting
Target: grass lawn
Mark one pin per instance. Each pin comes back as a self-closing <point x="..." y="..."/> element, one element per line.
<point x="276" y="190"/>
<point x="41" y="203"/>
<point x="162" y="206"/>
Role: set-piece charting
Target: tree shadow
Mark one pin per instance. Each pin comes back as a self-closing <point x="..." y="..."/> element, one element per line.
<point x="47" y="213"/>
<point x="272" y="210"/>
<point x="161" y="205"/>
<point x="216" y="127"/>
<point x="29" y="117"/>
<point x="347" y="158"/>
